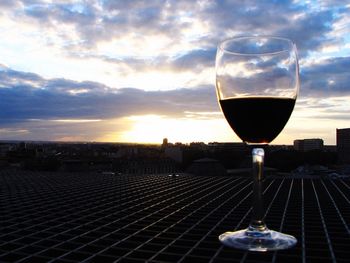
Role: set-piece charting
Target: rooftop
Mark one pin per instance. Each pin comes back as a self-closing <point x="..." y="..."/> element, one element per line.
<point x="75" y="217"/>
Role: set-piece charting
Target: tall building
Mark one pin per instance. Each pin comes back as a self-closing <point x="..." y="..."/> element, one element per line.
<point x="308" y="145"/>
<point x="165" y="142"/>
<point x="343" y="145"/>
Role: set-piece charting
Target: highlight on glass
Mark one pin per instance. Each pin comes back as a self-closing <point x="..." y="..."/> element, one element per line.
<point x="257" y="83"/>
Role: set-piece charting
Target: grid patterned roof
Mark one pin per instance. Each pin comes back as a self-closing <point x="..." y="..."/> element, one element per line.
<point x="58" y="217"/>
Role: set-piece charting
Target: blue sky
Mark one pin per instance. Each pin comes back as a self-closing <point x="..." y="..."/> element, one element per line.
<point x="139" y="71"/>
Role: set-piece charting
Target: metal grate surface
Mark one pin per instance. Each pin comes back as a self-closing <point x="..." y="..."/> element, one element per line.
<point x="57" y="217"/>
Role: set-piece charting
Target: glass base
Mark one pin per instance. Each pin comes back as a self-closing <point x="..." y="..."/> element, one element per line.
<point x="267" y="240"/>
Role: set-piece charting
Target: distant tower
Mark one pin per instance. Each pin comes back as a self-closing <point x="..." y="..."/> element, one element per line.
<point x="343" y="145"/>
<point x="165" y="142"/>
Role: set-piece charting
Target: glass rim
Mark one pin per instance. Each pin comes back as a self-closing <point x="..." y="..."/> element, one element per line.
<point x="231" y="39"/>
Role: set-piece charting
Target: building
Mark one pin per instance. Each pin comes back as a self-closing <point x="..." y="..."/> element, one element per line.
<point x="235" y="146"/>
<point x="343" y="145"/>
<point x="165" y="142"/>
<point x="306" y="145"/>
<point x="206" y="167"/>
<point x="5" y="148"/>
<point x="175" y="153"/>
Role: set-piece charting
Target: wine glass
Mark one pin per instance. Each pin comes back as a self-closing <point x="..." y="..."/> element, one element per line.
<point x="257" y="82"/>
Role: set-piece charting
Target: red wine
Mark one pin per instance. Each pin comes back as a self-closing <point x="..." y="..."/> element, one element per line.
<point x="257" y="119"/>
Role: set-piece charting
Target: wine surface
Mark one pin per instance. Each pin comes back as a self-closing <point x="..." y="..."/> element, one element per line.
<point x="257" y="119"/>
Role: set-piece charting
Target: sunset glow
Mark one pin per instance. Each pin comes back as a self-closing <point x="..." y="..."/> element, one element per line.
<point x="153" y="128"/>
<point x="141" y="71"/>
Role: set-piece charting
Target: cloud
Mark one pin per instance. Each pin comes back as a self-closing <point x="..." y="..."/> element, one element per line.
<point x="96" y="22"/>
<point x="61" y="44"/>
<point x="195" y="60"/>
<point x="60" y="12"/>
<point x="310" y="31"/>
<point x="8" y="3"/>
<point x="184" y="33"/>
<point x="326" y="78"/>
<point x="27" y="96"/>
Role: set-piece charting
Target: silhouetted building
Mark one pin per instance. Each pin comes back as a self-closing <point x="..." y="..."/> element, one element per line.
<point x="175" y="153"/>
<point x="22" y="146"/>
<point x="198" y="145"/>
<point x="235" y="146"/>
<point x="5" y="148"/>
<point x="308" y="145"/>
<point x="343" y="145"/>
<point x="207" y="167"/>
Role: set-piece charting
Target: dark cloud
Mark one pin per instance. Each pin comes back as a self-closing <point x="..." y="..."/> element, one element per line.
<point x="195" y="60"/>
<point x="8" y="3"/>
<point x="310" y="32"/>
<point x="61" y="12"/>
<point x="328" y="78"/>
<point x="281" y="18"/>
<point x="50" y="99"/>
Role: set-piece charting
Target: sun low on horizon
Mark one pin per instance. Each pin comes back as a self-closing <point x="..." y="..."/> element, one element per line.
<point x="154" y="128"/>
<point x="141" y="71"/>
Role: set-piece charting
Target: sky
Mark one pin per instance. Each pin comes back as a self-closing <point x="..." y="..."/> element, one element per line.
<point x="141" y="71"/>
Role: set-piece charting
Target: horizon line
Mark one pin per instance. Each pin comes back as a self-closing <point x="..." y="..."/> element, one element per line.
<point x="138" y="143"/>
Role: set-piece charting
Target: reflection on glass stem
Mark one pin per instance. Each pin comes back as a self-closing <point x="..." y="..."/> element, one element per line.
<point x="257" y="222"/>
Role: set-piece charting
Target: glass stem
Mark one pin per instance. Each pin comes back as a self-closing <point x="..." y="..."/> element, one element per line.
<point x="257" y="222"/>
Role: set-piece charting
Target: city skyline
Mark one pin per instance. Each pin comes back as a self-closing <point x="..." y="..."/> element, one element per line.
<point x="139" y="71"/>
